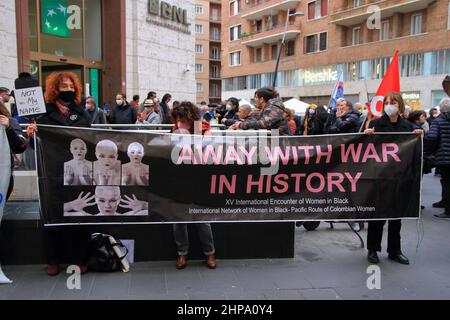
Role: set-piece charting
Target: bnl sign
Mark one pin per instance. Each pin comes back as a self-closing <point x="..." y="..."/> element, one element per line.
<point x="167" y="11"/>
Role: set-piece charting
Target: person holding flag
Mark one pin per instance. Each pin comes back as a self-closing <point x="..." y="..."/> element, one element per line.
<point x="387" y="107"/>
<point x="338" y="92"/>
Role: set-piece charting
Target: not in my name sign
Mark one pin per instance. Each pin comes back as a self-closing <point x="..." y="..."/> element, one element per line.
<point x="30" y="101"/>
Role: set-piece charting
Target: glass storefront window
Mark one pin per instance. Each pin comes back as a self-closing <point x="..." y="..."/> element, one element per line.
<point x="92" y="14"/>
<point x="61" y="28"/>
<point x="436" y="97"/>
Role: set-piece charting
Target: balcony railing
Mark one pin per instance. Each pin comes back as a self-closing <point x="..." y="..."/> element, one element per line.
<point x="269" y="28"/>
<point x="214" y="75"/>
<point x="253" y="4"/>
<point x="215" y="18"/>
<point x="362" y="4"/>
<point x="214" y="37"/>
<point x="214" y="56"/>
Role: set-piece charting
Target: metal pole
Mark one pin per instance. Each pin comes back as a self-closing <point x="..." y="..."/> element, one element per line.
<point x="279" y="51"/>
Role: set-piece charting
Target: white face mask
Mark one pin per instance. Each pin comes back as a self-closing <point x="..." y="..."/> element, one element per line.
<point x="391" y="110"/>
<point x="229" y="107"/>
<point x="365" y="113"/>
<point x="119" y="102"/>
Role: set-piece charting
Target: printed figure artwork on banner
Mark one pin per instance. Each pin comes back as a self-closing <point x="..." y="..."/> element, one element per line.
<point x="134" y="177"/>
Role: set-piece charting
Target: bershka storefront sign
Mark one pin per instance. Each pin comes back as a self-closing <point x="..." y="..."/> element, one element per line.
<point x="320" y="75"/>
<point x="169" y="16"/>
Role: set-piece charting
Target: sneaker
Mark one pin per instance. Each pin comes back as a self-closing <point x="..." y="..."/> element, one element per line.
<point x="355" y="226"/>
<point x="53" y="269"/>
<point x="442" y="215"/>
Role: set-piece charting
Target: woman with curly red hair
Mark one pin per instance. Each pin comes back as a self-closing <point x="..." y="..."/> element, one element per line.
<point x="186" y="117"/>
<point x="63" y="98"/>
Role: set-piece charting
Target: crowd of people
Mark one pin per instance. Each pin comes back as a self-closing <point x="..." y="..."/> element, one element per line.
<point x="67" y="107"/>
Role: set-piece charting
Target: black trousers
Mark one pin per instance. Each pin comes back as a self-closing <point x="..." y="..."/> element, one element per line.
<point x="67" y="245"/>
<point x="375" y="235"/>
<point x="445" y="181"/>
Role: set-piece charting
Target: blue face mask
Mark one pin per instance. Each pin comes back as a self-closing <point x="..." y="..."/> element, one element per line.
<point x="211" y="113"/>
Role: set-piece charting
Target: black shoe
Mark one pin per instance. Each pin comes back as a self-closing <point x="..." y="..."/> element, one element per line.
<point x="442" y="215"/>
<point x="373" y="257"/>
<point x="298" y="224"/>
<point x="422" y="207"/>
<point x="400" y="258"/>
<point x="439" y="204"/>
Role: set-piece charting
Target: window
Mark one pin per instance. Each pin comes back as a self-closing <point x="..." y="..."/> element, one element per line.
<point x="416" y="24"/>
<point x="235" y="33"/>
<point x="316" y="42"/>
<point x="199" y="87"/>
<point x="258" y="54"/>
<point x="234" y="8"/>
<point x="215" y="53"/>
<point x="215" y="33"/>
<point x="259" y="26"/>
<point x="235" y="58"/>
<point x="198" y="28"/>
<point x="384" y="32"/>
<point x="198" y="68"/>
<point x="198" y="9"/>
<point x="448" y="23"/>
<point x="356" y="36"/>
<point x="356" y="3"/>
<point x="215" y="71"/>
<point x="198" y="48"/>
<point x="323" y="41"/>
<point x="274" y="51"/>
<point x="317" y="9"/>
<point x="290" y="48"/>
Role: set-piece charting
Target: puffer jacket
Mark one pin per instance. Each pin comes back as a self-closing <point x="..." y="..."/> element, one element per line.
<point x="348" y="123"/>
<point x="271" y="117"/>
<point x="437" y="141"/>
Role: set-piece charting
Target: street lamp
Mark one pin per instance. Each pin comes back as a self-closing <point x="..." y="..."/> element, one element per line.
<point x="296" y="14"/>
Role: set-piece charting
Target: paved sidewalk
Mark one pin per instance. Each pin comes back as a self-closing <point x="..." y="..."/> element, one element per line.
<point x="328" y="264"/>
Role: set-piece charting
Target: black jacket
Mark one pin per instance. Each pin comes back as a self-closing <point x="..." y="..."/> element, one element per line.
<point x="384" y="124"/>
<point x="97" y="116"/>
<point x="78" y="117"/>
<point x="123" y="115"/>
<point x="437" y="141"/>
<point x="232" y="117"/>
<point x="16" y="139"/>
<point x="348" y="123"/>
<point x="164" y="112"/>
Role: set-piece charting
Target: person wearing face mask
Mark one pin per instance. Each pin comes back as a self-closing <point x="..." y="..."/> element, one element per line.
<point x="63" y="102"/>
<point x="97" y="115"/>
<point x="346" y="119"/>
<point x="122" y="113"/>
<point x="391" y="121"/>
<point x="314" y="121"/>
<point x="231" y="116"/>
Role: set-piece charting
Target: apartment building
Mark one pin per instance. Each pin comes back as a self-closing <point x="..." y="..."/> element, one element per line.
<point x="353" y="37"/>
<point x="208" y="50"/>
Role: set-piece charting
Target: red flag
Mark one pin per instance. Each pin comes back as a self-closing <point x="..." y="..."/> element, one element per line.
<point x="390" y="83"/>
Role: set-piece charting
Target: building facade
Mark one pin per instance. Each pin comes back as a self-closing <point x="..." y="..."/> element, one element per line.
<point x="356" y="38"/>
<point x="208" y="17"/>
<point x="129" y="46"/>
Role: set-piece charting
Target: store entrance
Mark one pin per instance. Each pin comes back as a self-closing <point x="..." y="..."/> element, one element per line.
<point x="48" y="67"/>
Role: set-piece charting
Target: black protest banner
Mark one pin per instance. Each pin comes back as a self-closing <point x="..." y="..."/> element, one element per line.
<point x="89" y="176"/>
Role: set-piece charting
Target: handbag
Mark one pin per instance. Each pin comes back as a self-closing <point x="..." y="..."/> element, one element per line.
<point x="106" y="254"/>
